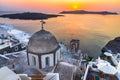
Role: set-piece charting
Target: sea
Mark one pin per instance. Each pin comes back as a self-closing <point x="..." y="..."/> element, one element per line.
<point x="94" y="31"/>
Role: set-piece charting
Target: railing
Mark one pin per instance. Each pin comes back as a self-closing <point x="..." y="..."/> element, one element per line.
<point x="86" y="72"/>
<point x="53" y="77"/>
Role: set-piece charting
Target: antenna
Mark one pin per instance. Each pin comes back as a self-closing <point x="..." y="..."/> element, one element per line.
<point x="42" y="24"/>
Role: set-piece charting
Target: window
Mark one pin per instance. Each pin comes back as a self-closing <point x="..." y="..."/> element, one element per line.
<point x="23" y="45"/>
<point x="34" y="60"/>
<point x="16" y="48"/>
<point x="47" y="61"/>
<point x="5" y="52"/>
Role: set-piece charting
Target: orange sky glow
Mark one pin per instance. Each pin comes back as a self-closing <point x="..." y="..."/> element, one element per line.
<point x="59" y="5"/>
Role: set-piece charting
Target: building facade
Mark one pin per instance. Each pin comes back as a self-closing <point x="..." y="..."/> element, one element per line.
<point x="43" y="50"/>
<point x="74" y="45"/>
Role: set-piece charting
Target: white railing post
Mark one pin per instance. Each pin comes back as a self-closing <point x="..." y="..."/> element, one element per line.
<point x="86" y="72"/>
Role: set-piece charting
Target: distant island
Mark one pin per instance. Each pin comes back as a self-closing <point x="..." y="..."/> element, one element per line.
<point x="29" y="16"/>
<point x="88" y="12"/>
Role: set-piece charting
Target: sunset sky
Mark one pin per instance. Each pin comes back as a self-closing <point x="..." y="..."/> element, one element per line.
<point x="59" y="5"/>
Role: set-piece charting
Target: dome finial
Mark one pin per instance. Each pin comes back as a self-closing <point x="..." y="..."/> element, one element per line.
<point x="42" y="23"/>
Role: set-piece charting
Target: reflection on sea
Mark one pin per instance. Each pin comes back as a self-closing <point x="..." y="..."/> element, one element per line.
<point x="93" y="31"/>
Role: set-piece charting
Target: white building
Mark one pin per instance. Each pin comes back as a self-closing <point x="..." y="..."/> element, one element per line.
<point x="4" y="28"/>
<point x="3" y="32"/>
<point x="43" y="50"/>
<point x="7" y="74"/>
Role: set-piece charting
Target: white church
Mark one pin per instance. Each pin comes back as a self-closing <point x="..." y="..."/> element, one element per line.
<point x="43" y="50"/>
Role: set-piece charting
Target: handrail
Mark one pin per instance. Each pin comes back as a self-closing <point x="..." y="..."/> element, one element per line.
<point x="86" y="72"/>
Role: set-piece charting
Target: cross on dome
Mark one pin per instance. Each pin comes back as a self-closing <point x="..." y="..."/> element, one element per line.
<point x="42" y="24"/>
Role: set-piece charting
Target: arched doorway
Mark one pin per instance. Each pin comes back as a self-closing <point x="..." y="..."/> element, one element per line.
<point x="47" y="61"/>
<point x="33" y="61"/>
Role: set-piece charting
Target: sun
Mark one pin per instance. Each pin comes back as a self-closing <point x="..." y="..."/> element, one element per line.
<point x="75" y="6"/>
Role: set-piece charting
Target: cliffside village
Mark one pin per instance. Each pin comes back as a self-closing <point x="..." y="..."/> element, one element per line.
<point x="41" y="57"/>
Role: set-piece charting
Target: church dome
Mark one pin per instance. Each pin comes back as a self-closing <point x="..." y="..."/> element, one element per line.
<point x="42" y="42"/>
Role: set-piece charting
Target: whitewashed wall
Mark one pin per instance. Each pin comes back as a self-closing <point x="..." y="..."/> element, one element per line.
<point x="31" y="62"/>
<point x="3" y="32"/>
<point x="57" y="55"/>
<point x="43" y="57"/>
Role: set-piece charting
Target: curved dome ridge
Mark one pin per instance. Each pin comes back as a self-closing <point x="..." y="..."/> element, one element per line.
<point x="42" y="42"/>
<point x="43" y="34"/>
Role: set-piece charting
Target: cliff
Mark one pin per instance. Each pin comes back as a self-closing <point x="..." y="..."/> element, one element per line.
<point x="113" y="46"/>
